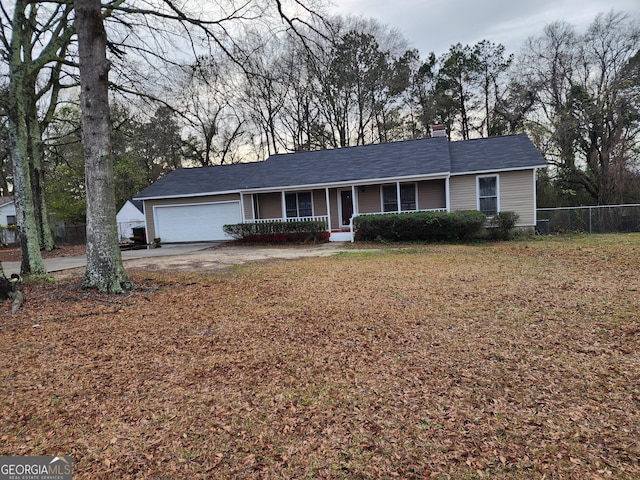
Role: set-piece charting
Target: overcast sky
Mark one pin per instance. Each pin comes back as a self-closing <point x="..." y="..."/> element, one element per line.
<point x="435" y="25"/>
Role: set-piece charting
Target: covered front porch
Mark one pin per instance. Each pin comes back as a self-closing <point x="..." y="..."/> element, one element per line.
<point x="337" y="206"/>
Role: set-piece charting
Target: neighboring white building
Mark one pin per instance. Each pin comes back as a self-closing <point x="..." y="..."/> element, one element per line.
<point x="129" y="217"/>
<point x="7" y="211"/>
<point x="7" y="218"/>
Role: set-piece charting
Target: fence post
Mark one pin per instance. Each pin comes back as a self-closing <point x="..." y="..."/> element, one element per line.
<point x="590" y="230"/>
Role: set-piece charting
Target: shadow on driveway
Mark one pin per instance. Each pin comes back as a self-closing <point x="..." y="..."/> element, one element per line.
<point x="193" y="257"/>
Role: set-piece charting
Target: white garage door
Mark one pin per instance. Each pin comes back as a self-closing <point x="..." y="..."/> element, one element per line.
<point x="196" y="222"/>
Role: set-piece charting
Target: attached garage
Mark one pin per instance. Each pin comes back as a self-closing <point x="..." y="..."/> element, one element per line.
<point x="196" y="222"/>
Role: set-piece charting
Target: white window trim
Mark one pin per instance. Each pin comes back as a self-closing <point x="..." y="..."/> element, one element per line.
<point x="497" y="177"/>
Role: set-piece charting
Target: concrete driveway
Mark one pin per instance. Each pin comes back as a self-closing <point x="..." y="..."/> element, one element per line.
<point x="196" y="257"/>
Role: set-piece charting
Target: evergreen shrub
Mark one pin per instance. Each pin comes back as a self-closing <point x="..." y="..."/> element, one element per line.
<point x="501" y="224"/>
<point x="279" y="232"/>
<point x="420" y="226"/>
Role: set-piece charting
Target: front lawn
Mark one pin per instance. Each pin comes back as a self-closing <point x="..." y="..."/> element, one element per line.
<point x="511" y="360"/>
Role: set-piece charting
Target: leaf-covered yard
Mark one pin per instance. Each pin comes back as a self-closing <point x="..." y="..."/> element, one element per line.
<point x="509" y="360"/>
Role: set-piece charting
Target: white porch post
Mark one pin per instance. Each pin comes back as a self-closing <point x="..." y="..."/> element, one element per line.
<point x="447" y="194"/>
<point x="244" y="218"/>
<point x="398" y="197"/>
<point x="253" y="206"/>
<point x="326" y="195"/>
<point x="284" y="206"/>
<point x="354" y="205"/>
<point x="535" y="199"/>
<point x="354" y="199"/>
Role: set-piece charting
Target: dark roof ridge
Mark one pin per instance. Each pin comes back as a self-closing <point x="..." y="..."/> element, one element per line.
<point x="350" y="147"/>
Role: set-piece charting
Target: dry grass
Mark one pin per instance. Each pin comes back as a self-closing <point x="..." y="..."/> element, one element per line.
<point x="513" y="360"/>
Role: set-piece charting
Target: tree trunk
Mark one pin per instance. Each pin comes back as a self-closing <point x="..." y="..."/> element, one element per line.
<point x="36" y="171"/>
<point x="105" y="270"/>
<point x="19" y="144"/>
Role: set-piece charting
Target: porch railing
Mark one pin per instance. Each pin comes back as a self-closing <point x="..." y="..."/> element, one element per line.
<point x="317" y="218"/>
<point x="403" y="211"/>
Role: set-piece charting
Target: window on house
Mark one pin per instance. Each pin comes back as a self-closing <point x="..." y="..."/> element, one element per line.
<point x="11" y="220"/>
<point x="298" y="204"/>
<point x="389" y="198"/>
<point x="488" y="195"/>
<point x="407" y="197"/>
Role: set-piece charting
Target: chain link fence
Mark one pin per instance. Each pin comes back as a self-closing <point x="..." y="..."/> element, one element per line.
<point x="593" y="219"/>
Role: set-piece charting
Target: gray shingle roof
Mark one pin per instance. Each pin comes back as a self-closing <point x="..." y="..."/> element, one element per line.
<point x="409" y="158"/>
<point x="138" y="204"/>
<point x="386" y="160"/>
<point x="204" y="180"/>
<point x="494" y="153"/>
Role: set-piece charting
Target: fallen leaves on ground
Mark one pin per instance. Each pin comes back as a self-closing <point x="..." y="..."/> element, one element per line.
<point x="14" y="254"/>
<point x="510" y="360"/>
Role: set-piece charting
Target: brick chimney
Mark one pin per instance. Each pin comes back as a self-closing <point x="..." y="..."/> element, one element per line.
<point x="438" y="130"/>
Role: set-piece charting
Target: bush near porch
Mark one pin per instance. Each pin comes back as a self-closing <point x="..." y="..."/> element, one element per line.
<point x="279" y="232"/>
<point x="420" y="226"/>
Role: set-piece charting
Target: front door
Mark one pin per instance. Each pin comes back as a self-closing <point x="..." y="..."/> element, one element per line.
<point x="346" y="207"/>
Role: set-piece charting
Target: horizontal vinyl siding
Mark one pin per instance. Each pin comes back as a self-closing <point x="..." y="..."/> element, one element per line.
<point x="369" y="199"/>
<point x="463" y="193"/>
<point x="431" y="194"/>
<point x="333" y="205"/>
<point x="515" y="190"/>
<point x="319" y="202"/>
<point x="248" y="207"/>
<point x="270" y="205"/>
<point x="516" y="194"/>
<point x="149" y="204"/>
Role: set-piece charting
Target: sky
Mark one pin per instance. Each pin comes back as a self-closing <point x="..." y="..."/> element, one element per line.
<point x="435" y="25"/>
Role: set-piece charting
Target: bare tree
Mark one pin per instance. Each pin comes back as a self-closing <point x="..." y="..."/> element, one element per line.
<point x="207" y="102"/>
<point x="34" y="40"/>
<point x="589" y="101"/>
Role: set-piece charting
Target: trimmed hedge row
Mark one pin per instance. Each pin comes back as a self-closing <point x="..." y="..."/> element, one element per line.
<point x="420" y="226"/>
<point x="279" y="232"/>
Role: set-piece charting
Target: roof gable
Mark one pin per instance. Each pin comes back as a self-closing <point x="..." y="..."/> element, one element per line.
<point x="138" y="204"/>
<point x="6" y="201"/>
